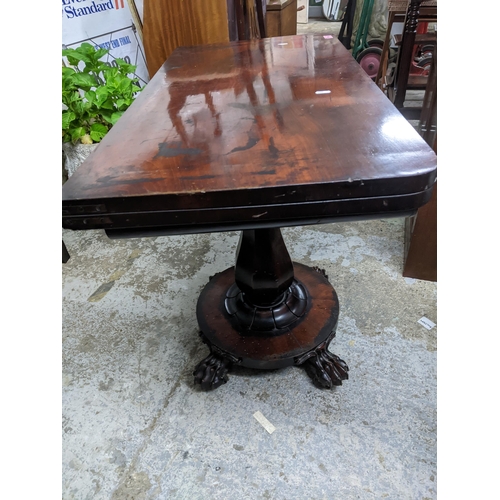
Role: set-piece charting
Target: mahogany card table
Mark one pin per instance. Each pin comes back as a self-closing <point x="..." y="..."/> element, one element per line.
<point x="253" y="136"/>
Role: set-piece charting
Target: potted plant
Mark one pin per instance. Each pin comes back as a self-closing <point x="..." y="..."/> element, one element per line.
<point x="94" y="96"/>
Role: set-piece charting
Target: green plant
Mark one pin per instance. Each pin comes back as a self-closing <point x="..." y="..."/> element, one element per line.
<point x="94" y="94"/>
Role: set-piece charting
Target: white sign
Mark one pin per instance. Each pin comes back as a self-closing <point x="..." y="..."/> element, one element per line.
<point x="427" y="323"/>
<point x="106" y="24"/>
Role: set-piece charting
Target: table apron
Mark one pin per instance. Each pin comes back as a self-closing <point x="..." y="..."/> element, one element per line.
<point x="235" y="218"/>
<point x="199" y="229"/>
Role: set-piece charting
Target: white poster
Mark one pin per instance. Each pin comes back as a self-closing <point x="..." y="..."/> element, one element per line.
<point x="107" y="24"/>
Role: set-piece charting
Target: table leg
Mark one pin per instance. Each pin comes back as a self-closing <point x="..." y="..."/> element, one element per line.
<point x="267" y="312"/>
<point x="65" y="253"/>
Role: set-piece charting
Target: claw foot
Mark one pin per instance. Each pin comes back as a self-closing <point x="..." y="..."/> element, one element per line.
<point x="320" y="271"/>
<point x="324" y="368"/>
<point x="212" y="371"/>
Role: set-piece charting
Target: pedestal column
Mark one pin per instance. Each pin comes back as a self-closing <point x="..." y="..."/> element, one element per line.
<point x="268" y="312"/>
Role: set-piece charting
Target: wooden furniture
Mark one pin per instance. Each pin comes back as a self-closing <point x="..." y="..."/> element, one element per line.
<point x="281" y="17"/>
<point x="428" y="118"/>
<point x="65" y="254"/>
<point x="421" y="229"/>
<point x="168" y="25"/>
<point x="411" y="13"/>
<point x="254" y="136"/>
<point x="403" y="80"/>
<point x="396" y="14"/>
<point x="421" y="242"/>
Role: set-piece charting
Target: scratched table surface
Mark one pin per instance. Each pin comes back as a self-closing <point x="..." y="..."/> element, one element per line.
<point x="273" y="132"/>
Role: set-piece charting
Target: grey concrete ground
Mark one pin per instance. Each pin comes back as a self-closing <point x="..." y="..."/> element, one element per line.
<point x="136" y="427"/>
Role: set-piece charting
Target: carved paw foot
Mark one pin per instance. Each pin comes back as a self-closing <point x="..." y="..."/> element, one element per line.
<point x="324" y="368"/>
<point x="320" y="271"/>
<point x="212" y="371"/>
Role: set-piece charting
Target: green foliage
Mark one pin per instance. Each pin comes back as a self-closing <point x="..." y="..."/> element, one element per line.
<point x="94" y="94"/>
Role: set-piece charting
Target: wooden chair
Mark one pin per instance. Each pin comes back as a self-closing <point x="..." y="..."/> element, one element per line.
<point x="411" y="12"/>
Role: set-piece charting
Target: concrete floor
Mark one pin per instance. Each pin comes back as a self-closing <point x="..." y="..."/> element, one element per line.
<point x="136" y="427"/>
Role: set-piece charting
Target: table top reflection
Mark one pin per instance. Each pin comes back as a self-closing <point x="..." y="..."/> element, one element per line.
<point x="273" y="124"/>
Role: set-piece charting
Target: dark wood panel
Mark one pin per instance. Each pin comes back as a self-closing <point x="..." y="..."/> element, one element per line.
<point x="421" y="230"/>
<point x="421" y="243"/>
<point x="240" y="217"/>
<point x="169" y="24"/>
<point x="282" y="121"/>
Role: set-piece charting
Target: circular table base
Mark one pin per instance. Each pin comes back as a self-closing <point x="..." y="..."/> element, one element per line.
<point x="305" y="341"/>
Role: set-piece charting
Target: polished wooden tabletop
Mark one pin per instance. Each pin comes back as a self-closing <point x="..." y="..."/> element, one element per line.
<point x="278" y="131"/>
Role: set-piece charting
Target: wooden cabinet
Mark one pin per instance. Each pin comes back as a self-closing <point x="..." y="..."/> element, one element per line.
<point x="168" y="25"/>
<point x="281" y="17"/>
